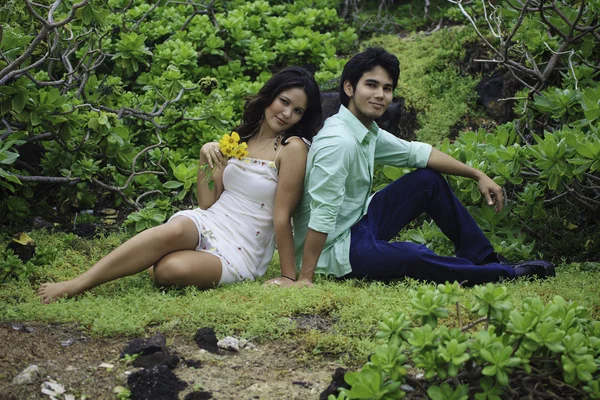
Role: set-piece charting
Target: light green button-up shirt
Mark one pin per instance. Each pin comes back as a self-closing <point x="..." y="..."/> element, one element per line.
<point x="338" y="181"/>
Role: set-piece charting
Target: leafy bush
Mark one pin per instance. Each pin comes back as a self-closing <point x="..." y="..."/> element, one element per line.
<point x="541" y="348"/>
<point x="548" y="159"/>
<point x="113" y="100"/>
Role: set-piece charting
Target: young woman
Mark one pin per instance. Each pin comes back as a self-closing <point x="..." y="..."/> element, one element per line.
<point x="232" y="235"/>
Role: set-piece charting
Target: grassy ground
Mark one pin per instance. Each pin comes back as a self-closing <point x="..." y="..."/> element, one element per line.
<point x="334" y="318"/>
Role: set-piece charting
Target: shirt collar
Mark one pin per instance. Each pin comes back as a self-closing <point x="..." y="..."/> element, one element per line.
<point x="358" y="130"/>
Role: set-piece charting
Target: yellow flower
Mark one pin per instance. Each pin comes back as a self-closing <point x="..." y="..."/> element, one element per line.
<point x="227" y="150"/>
<point x="241" y="151"/>
<point x="230" y="140"/>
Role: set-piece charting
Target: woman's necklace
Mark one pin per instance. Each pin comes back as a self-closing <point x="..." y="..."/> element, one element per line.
<point x="275" y="143"/>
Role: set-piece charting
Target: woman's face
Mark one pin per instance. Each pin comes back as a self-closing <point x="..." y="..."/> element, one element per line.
<point x="286" y="110"/>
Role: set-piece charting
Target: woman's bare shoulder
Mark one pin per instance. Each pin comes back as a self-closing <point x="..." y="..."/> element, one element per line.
<point x="296" y="143"/>
<point x="294" y="152"/>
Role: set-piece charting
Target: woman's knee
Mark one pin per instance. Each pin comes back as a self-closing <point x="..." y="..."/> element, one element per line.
<point x="180" y="230"/>
<point x="167" y="272"/>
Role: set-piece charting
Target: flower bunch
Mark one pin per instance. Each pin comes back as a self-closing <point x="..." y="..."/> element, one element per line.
<point x="230" y="146"/>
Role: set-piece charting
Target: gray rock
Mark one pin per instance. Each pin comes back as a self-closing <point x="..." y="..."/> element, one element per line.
<point x="259" y="387"/>
<point x="407" y="388"/>
<point x="229" y="343"/>
<point x="27" y="376"/>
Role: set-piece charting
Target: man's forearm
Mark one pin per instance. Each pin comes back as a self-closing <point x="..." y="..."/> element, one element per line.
<point x="446" y="164"/>
<point x="313" y="246"/>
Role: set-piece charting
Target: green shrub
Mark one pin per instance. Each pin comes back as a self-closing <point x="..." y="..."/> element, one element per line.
<point x="551" y="347"/>
<point x="142" y="88"/>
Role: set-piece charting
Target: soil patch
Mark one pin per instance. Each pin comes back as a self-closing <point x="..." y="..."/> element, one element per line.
<point x="92" y="366"/>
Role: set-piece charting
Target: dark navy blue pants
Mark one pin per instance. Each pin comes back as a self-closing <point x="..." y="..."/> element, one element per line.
<point x="422" y="191"/>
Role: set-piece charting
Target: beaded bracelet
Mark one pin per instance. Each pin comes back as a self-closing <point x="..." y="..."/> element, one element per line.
<point x="291" y="279"/>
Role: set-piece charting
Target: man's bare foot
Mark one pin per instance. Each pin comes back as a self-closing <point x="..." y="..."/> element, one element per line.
<point x="50" y="292"/>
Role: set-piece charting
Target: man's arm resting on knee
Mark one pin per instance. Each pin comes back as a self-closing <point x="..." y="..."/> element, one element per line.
<point x="445" y="164"/>
<point x="313" y="246"/>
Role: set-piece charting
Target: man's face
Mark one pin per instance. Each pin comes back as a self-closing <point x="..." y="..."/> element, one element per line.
<point x="372" y="96"/>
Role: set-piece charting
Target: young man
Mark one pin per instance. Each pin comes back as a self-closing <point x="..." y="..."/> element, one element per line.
<point x="341" y="230"/>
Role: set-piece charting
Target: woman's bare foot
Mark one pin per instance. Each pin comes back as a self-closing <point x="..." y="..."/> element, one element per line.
<point x="50" y="292"/>
<point x="151" y="273"/>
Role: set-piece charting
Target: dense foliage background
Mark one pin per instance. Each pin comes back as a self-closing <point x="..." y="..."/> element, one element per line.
<point x="107" y="103"/>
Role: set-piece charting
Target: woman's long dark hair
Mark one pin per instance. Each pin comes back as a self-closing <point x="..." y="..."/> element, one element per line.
<point x="288" y="78"/>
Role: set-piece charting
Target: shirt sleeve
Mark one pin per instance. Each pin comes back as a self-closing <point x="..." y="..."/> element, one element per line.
<point x="327" y="183"/>
<point x="394" y="151"/>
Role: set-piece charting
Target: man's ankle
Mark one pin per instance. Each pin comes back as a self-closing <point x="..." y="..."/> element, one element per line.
<point x="494" y="258"/>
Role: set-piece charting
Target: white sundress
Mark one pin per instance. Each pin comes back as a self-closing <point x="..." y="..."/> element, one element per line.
<point x="238" y="227"/>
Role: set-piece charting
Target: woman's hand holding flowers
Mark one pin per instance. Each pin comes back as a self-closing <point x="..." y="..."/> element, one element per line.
<point x="211" y="154"/>
<point x="214" y="155"/>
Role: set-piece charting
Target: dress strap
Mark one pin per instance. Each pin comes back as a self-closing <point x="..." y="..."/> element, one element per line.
<point x="306" y="142"/>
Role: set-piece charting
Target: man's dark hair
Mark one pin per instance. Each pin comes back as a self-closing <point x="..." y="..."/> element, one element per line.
<point x="364" y="62"/>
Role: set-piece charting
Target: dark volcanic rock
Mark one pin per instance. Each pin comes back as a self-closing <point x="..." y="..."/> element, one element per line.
<point x="206" y="339"/>
<point x="84" y="230"/>
<point x="158" y="383"/>
<point x="159" y="358"/>
<point x="192" y="363"/>
<point x="22" y="246"/>
<point x="151" y="345"/>
<point x="500" y="85"/>
<point x="337" y="381"/>
<point x="198" y="396"/>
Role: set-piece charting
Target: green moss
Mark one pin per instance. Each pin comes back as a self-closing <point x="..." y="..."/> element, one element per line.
<point x="133" y="306"/>
<point x="430" y="79"/>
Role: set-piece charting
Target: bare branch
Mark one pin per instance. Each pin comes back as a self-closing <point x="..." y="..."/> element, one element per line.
<point x="53" y="8"/>
<point x="71" y="15"/>
<point x="46" y="179"/>
<point x="4" y="74"/>
<point x="34" y="13"/>
<point x="148" y="193"/>
<point x="118" y="191"/>
<point x="23" y="165"/>
<point x="44" y="83"/>
<point x="552" y="27"/>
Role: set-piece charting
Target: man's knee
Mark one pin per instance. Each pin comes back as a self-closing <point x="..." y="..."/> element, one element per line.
<point x="427" y="175"/>
<point x="419" y="179"/>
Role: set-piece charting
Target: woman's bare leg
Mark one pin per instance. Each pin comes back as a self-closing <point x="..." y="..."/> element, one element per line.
<point x="188" y="268"/>
<point x="133" y="256"/>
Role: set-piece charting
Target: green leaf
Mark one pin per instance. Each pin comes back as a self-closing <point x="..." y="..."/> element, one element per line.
<point x="18" y="103"/>
<point x="173" y="184"/>
<point x="93" y="123"/>
<point x="392" y="173"/>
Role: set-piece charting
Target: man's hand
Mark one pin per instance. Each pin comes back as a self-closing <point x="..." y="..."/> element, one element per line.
<point x="491" y="192"/>
<point x="445" y="164"/>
